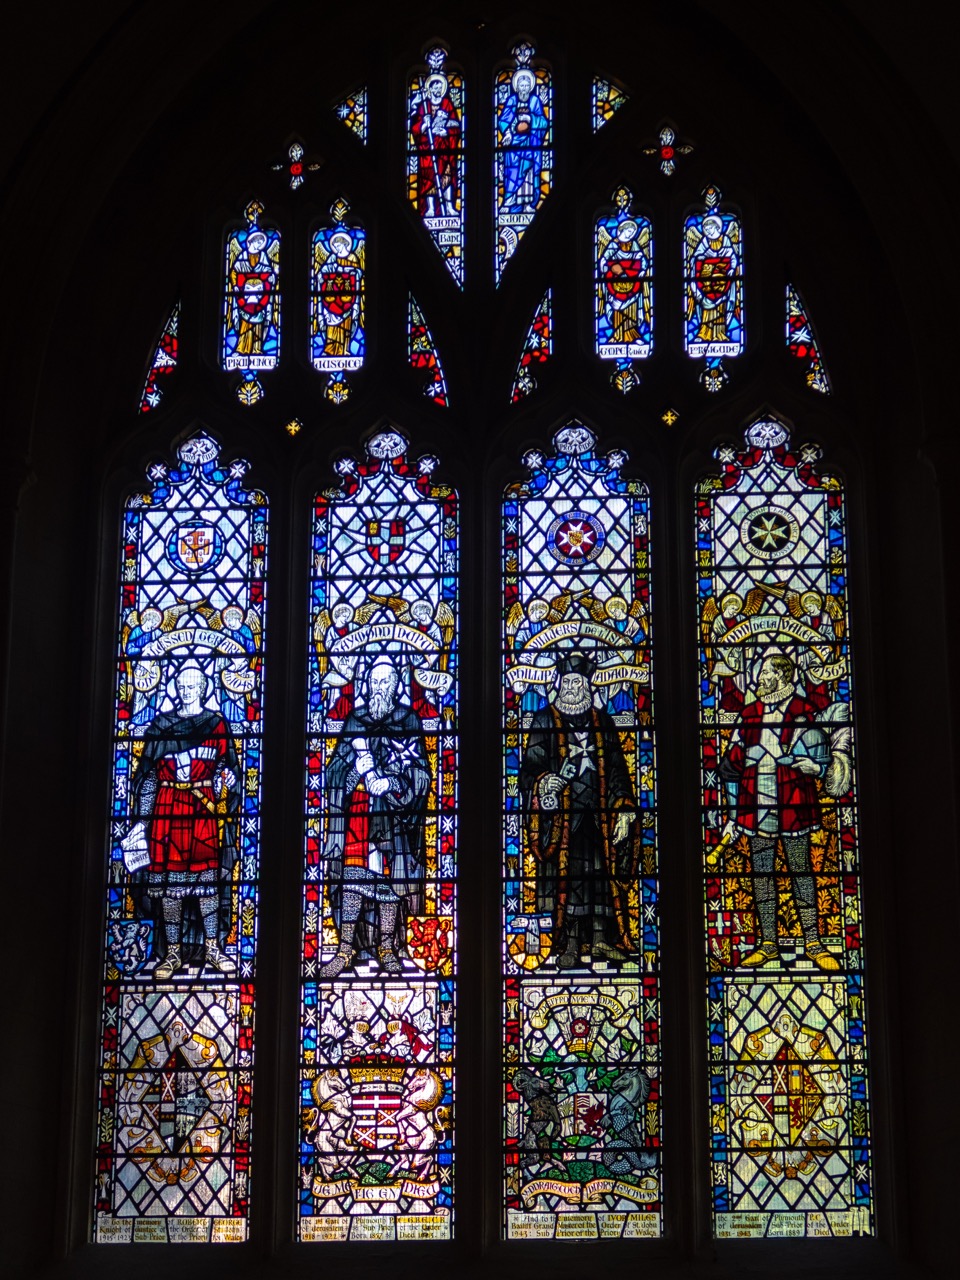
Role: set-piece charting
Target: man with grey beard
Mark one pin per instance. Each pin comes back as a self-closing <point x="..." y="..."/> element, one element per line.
<point x="377" y="784"/>
<point x="580" y="811"/>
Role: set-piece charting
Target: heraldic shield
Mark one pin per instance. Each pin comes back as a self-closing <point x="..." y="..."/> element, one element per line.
<point x="530" y="939"/>
<point x="129" y="945"/>
<point x="430" y="943"/>
<point x="713" y="277"/>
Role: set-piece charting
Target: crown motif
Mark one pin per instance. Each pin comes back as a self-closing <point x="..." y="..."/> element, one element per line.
<point x="376" y="1069"/>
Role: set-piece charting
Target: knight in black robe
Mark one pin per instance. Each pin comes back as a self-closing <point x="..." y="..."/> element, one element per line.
<point x="377" y="784"/>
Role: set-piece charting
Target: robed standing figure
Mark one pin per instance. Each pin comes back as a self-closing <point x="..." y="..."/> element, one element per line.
<point x="378" y="780"/>
<point x="580" y="810"/>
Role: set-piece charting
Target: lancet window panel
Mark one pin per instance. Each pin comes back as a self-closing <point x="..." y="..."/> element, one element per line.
<point x="523" y="149"/>
<point x="379" y="893"/>
<point x="713" y="275"/>
<point x="251" y="302"/>
<point x="436" y="129"/>
<point x="176" y="1048"/>
<point x="582" y="1130"/>
<point x="338" y="301"/>
<point x="788" y="1048"/>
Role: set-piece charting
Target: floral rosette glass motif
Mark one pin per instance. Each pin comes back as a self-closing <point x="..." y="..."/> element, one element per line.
<point x="581" y="933"/>
<point x="523" y="149"/>
<point x="788" y="1052"/>
<point x="435" y="156"/>
<point x="176" y="1054"/>
<point x="379" y="939"/>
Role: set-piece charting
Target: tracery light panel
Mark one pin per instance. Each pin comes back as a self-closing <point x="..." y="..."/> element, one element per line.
<point x="435" y="156"/>
<point x="802" y="342"/>
<point x="176" y="1053"/>
<point x="338" y="337"/>
<point x="537" y="349"/>
<point x="251" y="317"/>
<point x="379" y="940"/>
<point x="788" y="1051"/>
<point x="352" y="110"/>
<point x="581" y="941"/>
<point x="523" y="149"/>
<point x="623" y="294"/>
<point x="607" y="101"/>
<point x="713" y="288"/>
<point x="164" y="362"/>
<point x="423" y="356"/>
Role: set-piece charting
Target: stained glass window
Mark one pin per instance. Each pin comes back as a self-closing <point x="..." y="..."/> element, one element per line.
<point x="251" y="320"/>
<point x="352" y="110"/>
<point x="176" y="1053"/>
<point x="581" y="943"/>
<point x="164" y="362"/>
<point x="379" y="941"/>
<point x="435" y="156"/>
<point x="623" y="266"/>
<point x="523" y="142"/>
<point x="537" y="348"/>
<point x="422" y="353"/>
<point x="337" y="301"/>
<point x="713" y="288"/>
<point x="802" y="342"/>
<point x="788" y="1052"/>
<point x="607" y="101"/>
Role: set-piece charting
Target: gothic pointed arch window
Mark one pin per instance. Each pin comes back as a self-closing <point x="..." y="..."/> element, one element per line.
<point x="467" y="765"/>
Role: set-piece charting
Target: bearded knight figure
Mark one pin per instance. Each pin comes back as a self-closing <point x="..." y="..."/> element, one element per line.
<point x="378" y="780"/>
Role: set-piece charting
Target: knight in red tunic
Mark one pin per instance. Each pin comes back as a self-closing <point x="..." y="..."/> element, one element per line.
<point x="185" y="790"/>
<point x="770" y="779"/>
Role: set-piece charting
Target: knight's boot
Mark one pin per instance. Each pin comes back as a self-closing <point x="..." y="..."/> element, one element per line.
<point x="342" y="960"/>
<point x="812" y="943"/>
<point x="216" y="959"/>
<point x="821" y="957"/>
<point x="764" y="954"/>
<point x="169" y="965"/>
<point x="388" y="959"/>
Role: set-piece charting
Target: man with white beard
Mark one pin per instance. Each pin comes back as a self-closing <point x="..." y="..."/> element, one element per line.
<point x="377" y="784"/>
